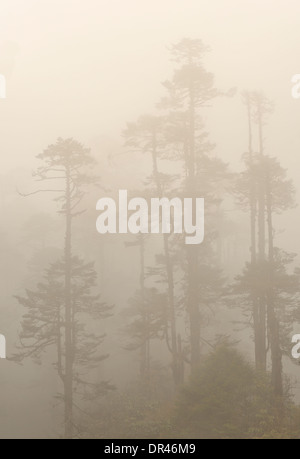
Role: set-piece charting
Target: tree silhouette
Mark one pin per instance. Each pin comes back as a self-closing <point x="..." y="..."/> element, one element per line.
<point x="56" y="310"/>
<point x="190" y="90"/>
<point x="147" y="137"/>
<point x="265" y="190"/>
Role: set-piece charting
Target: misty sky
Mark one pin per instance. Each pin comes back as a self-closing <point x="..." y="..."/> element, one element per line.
<point x="84" y="68"/>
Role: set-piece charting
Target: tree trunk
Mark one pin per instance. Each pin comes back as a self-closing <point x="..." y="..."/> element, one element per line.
<point x="68" y="384"/>
<point x="273" y="324"/>
<point x="145" y="349"/>
<point x="176" y="370"/>
<point x="262" y="337"/>
<point x="253" y="216"/>
<point x="192" y="252"/>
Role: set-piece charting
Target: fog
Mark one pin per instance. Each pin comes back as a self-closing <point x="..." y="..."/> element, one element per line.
<point x="84" y="70"/>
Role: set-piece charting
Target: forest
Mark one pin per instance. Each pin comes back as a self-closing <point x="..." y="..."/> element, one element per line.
<point x="119" y="330"/>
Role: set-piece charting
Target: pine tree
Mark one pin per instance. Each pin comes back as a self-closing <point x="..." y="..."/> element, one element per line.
<point x="188" y="92"/>
<point x="56" y="308"/>
<point x="147" y="136"/>
<point x="265" y="190"/>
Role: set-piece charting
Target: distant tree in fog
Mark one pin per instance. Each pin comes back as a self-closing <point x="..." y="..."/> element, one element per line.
<point x="57" y="310"/>
<point x="264" y="190"/>
<point x="202" y="174"/>
<point x="178" y="136"/>
<point x="146" y="136"/>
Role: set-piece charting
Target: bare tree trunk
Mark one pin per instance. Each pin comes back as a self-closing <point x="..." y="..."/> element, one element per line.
<point x="276" y="354"/>
<point x="170" y="278"/>
<point x="273" y="324"/>
<point x="192" y="252"/>
<point x="180" y="375"/>
<point x="68" y="383"/>
<point x="145" y="349"/>
<point x="262" y="337"/>
<point x="253" y="215"/>
<point x="59" y="347"/>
